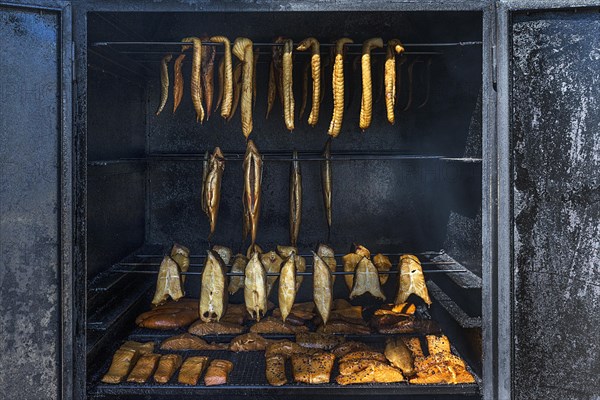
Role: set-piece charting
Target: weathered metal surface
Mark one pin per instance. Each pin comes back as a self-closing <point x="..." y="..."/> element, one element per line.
<point x="30" y="300"/>
<point x="556" y="172"/>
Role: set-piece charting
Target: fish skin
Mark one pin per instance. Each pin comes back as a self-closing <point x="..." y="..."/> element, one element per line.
<point x="412" y="280"/>
<point x="288" y="93"/>
<point x="271" y="89"/>
<point x="399" y="355"/>
<point x="326" y="184"/>
<point x="213" y="291"/>
<point x="287" y="286"/>
<point x="272" y="263"/>
<point x="350" y="262"/>
<point x="252" y="187"/>
<point x="382" y="263"/>
<point x="164" y="82"/>
<point x="195" y="81"/>
<point x="255" y="288"/>
<point x="253" y="248"/>
<point x="295" y="199"/>
<point x="366" y="279"/>
<point x="322" y="287"/>
<point x="243" y="49"/>
<point x="178" y="81"/>
<point x="220" y="81"/>
<point x="394" y="46"/>
<point x="337" y="82"/>
<point x="315" y="64"/>
<point x="238" y="266"/>
<point x="208" y="73"/>
<point x="223" y="252"/>
<point x="205" y="167"/>
<point x="227" y="82"/>
<point x="366" y="103"/>
<point x="328" y="255"/>
<point x="237" y="89"/>
<point x="212" y="187"/>
<point x="285" y="252"/>
<point x="181" y="255"/>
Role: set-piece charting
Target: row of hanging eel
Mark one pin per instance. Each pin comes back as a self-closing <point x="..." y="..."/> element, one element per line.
<point x="212" y="176"/>
<point x="239" y="84"/>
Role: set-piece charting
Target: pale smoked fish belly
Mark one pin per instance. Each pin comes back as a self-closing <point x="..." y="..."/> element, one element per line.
<point x="412" y="280"/>
<point x="287" y="286"/>
<point x="322" y="287"/>
<point x="168" y="282"/>
<point x="213" y="292"/>
<point x="366" y="279"/>
<point x="272" y="263"/>
<point x="255" y="288"/>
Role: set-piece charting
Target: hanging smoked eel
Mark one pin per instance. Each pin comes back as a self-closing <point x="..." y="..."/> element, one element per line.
<point x="252" y="187"/>
<point x="295" y="199"/>
<point x="178" y="72"/>
<point x="212" y="187"/>
<point x="393" y="47"/>
<point x="326" y="181"/>
<point x="315" y="64"/>
<point x="366" y="102"/>
<point x="196" y="86"/>
<point x="337" y="82"/>
<point x="208" y="76"/>
<point x="288" y="92"/>
<point x="205" y="166"/>
<point x="242" y="49"/>
<point x="164" y="82"/>
<point x="220" y="72"/>
<point x="271" y="90"/>
<point x="237" y="88"/>
<point x="227" y="75"/>
<point x="278" y="64"/>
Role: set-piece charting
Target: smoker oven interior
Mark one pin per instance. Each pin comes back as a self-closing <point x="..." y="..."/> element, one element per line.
<point x="418" y="187"/>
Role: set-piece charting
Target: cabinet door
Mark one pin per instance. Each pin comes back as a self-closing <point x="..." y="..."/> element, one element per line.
<point x="35" y="151"/>
<point x="549" y="164"/>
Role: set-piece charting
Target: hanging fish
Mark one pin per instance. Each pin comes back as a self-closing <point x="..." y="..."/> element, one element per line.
<point x="164" y="82"/>
<point x="272" y="263"/>
<point x="287" y="286"/>
<point x="328" y="255"/>
<point x="213" y="291"/>
<point x="255" y="288"/>
<point x="295" y="198"/>
<point x="242" y="49"/>
<point x="366" y="279"/>
<point x="181" y="255"/>
<point x="205" y="167"/>
<point x="393" y="47"/>
<point x="168" y="282"/>
<point x="252" y="187"/>
<point x="322" y="287"/>
<point x="337" y="82"/>
<point x="315" y="63"/>
<point x="227" y="73"/>
<point x="412" y="280"/>
<point x="238" y="267"/>
<point x="213" y="187"/>
<point x="326" y="182"/>
<point x="208" y="74"/>
<point x="366" y="103"/>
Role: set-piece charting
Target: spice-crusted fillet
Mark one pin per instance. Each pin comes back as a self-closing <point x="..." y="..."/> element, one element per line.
<point x="312" y="368"/>
<point x="315" y="340"/>
<point x="275" y="370"/>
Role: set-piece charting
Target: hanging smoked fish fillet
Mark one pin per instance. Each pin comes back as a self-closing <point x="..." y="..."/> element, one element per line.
<point x="220" y="72"/>
<point x="252" y="187"/>
<point x="196" y="85"/>
<point x="242" y="49"/>
<point x="212" y="187"/>
<point x="315" y="63"/>
<point x="278" y="65"/>
<point x="227" y="76"/>
<point x="295" y="198"/>
<point x="322" y="287"/>
<point x="366" y="279"/>
<point x="328" y="255"/>
<point x="285" y="252"/>
<point x="326" y="183"/>
<point x="237" y="89"/>
<point x="205" y="168"/>
<point x="177" y="82"/>
<point x="238" y="267"/>
<point x="168" y="282"/>
<point x="164" y="82"/>
<point x="181" y="255"/>
<point x="272" y="263"/>
<point x="412" y="280"/>
<point x="382" y="263"/>
<point x="223" y="252"/>
<point x="253" y="248"/>
<point x="337" y="81"/>
<point x="366" y="103"/>
<point x="288" y="92"/>
<point x="393" y="47"/>
<point x="208" y="74"/>
<point x="213" y="292"/>
<point x="255" y="288"/>
<point x="350" y="262"/>
<point x="271" y="90"/>
<point x="287" y="286"/>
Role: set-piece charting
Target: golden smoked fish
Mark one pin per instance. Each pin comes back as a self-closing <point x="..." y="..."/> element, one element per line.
<point x="178" y="72"/>
<point x="255" y="287"/>
<point x="315" y="63"/>
<point x="242" y="49"/>
<point x="208" y="75"/>
<point x="205" y="167"/>
<point x="168" y="282"/>
<point x="213" y="292"/>
<point x="272" y="263"/>
<point x="227" y="83"/>
<point x="366" y="279"/>
<point x="271" y="89"/>
<point x="220" y="78"/>
<point x="393" y="47"/>
<point x="366" y="103"/>
<point x="322" y="287"/>
<point x="382" y="263"/>
<point x="326" y="183"/>
<point x="237" y="88"/>
<point x="164" y="82"/>
<point x="238" y="267"/>
<point x="337" y="82"/>
<point x="181" y="255"/>
<point x="412" y="279"/>
<point x="399" y="355"/>
<point x="195" y="81"/>
<point x="252" y="187"/>
<point x="295" y="198"/>
<point x="212" y="187"/>
<point x="287" y="286"/>
<point x="285" y="252"/>
<point x="328" y="255"/>
<point x="288" y="92"/>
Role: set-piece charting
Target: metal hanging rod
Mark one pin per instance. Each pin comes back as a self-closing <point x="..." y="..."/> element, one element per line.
<point x="308" y="273"/>
<point x="424" y="253"/>
<point x="156" y="264"/>
<point x="380" y="53"/>
<point x="441" y="44"/>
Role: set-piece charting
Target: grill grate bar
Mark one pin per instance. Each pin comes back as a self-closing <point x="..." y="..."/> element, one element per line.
<point x="438" y="271"/>
<point x="259" y="44"/>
